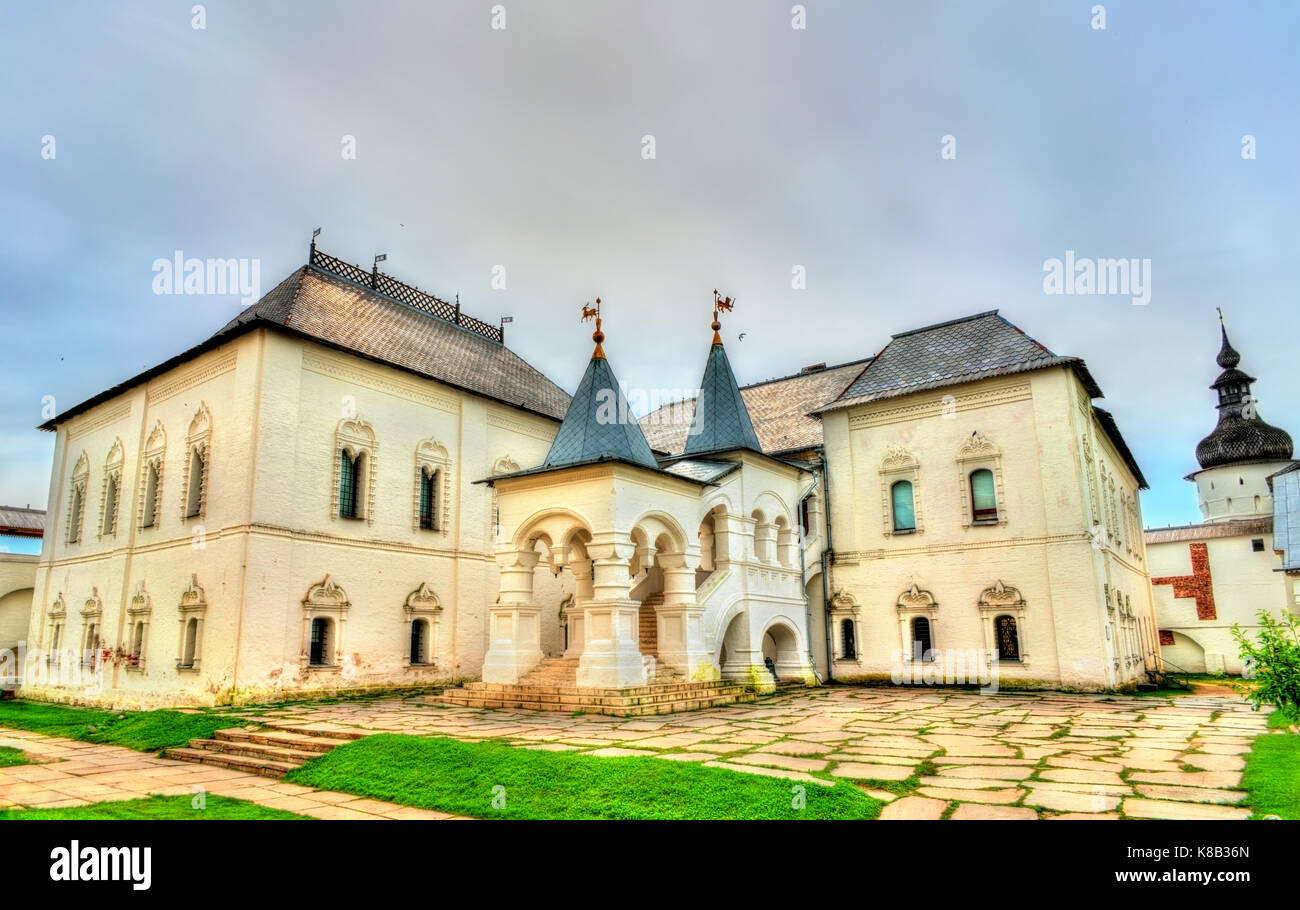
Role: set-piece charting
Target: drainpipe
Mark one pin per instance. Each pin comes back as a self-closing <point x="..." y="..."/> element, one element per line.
<point x="826" y="565"/>
<point x="803" y="589"/>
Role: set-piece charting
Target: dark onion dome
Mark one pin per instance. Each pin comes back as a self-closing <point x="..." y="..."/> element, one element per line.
<point x="1241" y="436"/>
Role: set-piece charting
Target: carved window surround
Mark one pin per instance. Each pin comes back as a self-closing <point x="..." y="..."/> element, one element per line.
<point x="911" y="604"/>
<point x="899" y="464"/>
<point x="76" y="530"/>
<point x="422" y="603"/>
<point x="356" y="437"/>
<point x="326" y="599"/>
<point x="199" y="439"/>
<point x="193" y="605"/>
<point x="155" y="451"/>
<point x="110" y="500"/>
<point x="975" y="453"/>
<point x="845" y="606"/>
<point x="140" y="611"/>
<point x="1003" y="600"/>
<point x="431" y="456"/>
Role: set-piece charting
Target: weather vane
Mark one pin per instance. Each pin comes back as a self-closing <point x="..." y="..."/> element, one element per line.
<point x="720" y="304"/>
<point x="593" y="312"/>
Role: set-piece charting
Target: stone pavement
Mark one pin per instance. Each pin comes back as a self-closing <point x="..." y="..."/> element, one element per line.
<point x="73" y="773"/>
<point x="1010" y="755"/>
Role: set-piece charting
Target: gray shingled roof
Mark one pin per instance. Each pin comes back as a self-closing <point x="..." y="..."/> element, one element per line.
<point x="22" y="522"/>
<point x="962" y="350"/>
<point x="721" y="421"/>
<point x="598" y="425"/>
<point x="314" y="304"/>
<point x="340" y="314"/>
<point x="778" y="408"/>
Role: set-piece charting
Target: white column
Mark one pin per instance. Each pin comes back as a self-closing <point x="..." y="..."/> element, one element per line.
<point x="514" y="630"/>
<point x="611" y="657"/>
<point x="681" y="621"/>
<point x="575" y="614"/>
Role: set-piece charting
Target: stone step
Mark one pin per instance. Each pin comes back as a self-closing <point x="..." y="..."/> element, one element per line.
<point x="684" y="686"/>
<point x="684" y="704"/>
<point x="577" y="701"/>
<point x="264" y="767"/>
<point x="282" y="738"/>
<point x="255" y="750"/>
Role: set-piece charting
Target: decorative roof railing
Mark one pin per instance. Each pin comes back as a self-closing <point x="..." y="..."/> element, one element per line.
<point x="410" y="295"/>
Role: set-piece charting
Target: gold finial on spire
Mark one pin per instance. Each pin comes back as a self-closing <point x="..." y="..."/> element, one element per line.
<point x="720" y="303"/>
<point x="589" y="312"/>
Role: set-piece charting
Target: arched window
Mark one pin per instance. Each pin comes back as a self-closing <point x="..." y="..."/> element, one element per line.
<point x="91" y="648"/>
<point x="429" y="498"/>
<point x="419" y="641"/>
<point x="1008" y="637"/>
<point x="904" y="507"/>
<point x="983" y="496"/>
<point x="349" y="470"/>
<point x="150" y="496"/>
<point x="110" y="506"/>
<point x="850" y="649"/>
<point x="194" y="495"/>
<point x="320" y="643"/>
<point x="78" y="509"/>
<point x="137" y="643"/>
<point x="191" y="642"/>
<point x="921" y="644"/>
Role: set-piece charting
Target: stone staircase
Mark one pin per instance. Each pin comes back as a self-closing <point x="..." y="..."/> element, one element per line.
<point x="648" y="625"/>
<point x="658" y="697"/>
<point x="270" y="751"/>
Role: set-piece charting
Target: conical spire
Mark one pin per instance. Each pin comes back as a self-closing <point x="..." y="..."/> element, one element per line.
<point x="598" y="424"/>
<point x="1240" y="435"/>
<point x="721" y="421"/>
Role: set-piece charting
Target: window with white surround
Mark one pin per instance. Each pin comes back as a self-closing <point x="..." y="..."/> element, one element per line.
<point x="900" y="474"/>
<point x="193" y="611"/>
<point x="983" y="498"/>
<point x="432" y="485"/>
<point x="324" y="615"/>
<point x="77" y="498"/>
<point x="138" y="615"/>
<point x="155" y="451"/>
<point x="422" y="612"/>
<point x="110" y="500"/>
<point x="1002" y="613"/>
<point x="198" y="447"/>
<point x="354" y="470"/>
<point x="917" y="615"/>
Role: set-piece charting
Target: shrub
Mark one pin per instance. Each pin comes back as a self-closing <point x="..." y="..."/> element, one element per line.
<point x="1273" y="661"/>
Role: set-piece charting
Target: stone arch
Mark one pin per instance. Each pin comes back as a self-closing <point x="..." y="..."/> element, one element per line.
<point x="659" y="525"/>
<point x="782" y="645"/>
<point x="1184" y="653"/>
<point x="549" y="525"/>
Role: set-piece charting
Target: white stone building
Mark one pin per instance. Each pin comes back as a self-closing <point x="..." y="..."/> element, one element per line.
<point x="354" y="485"/>
<point x="1209" y="576"/>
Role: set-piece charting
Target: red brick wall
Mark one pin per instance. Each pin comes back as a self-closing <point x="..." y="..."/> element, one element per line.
<point x="1199" y="584"/>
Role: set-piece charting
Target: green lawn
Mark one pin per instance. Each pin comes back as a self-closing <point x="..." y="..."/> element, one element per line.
<point x="155" y="807"/>
<point x="10" y="756"/>
<point x="464" y="778"/>
<point x="1273" y="773"/>
<point x="146" y="731"/>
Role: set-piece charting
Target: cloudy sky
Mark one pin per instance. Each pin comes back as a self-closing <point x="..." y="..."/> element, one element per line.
<point x="774" y="148"/>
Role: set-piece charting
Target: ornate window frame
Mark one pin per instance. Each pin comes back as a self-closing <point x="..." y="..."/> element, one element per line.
<point x="503" y="465"/>
<point x="198" y="440"/>
<point x="975" y="453"/>
<point x="138" y="613"/>
<point x="899" y="464"/>
<point x="155" y="457"/>
<point x="325" y="599"/>
<point x="56" y="622"/>
<point x="77" y="490"/>
<point x="432" y="455"/>
<point x="355" y="437"/>
<point x="111" y="520"/>
<point x="998" y="600"/>
<point x="422" y="604"/>
<point x="911" y="604"/>
<point x="845" y="606"/>
<point x="92" y="617"/>
<point x="193" y="605"/>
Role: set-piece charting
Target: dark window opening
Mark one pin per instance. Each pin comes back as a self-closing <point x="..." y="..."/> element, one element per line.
<point x="921" y="645"/>
<point x="348" y="475"/>
<point x="320" y="634"/>
<point x="428" y="499"/>
<point x="419" y="630"/>
<point x="1008" y="637"/>
<point x="850" y="651"/>
<point x="1257" y="545"/>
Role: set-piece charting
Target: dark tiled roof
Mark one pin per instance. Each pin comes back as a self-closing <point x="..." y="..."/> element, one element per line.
<point x="701" y="469"/>
<point x="1241" y="435"/>
<point x="322" y="307"/>
<point x="22" y="522"/>
<point x="340" y="314"/>
<point x="962" y="350"/>
<point x="1108" y="424"/>
<point x="721" y="421"/>
<point x="778" y="409"/>
<point x="590" y="432"/>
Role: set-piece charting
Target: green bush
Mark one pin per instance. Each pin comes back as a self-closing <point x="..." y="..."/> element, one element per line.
<point x="1272" y="660"/>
